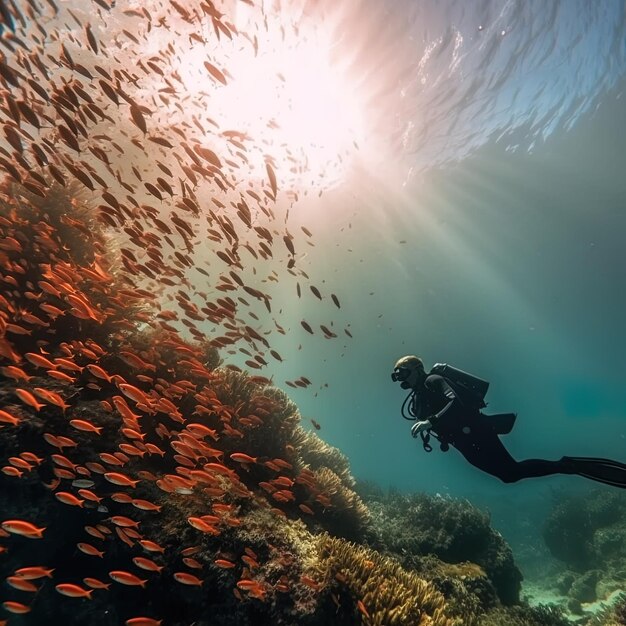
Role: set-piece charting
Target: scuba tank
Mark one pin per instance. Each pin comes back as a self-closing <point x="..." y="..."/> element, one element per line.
<point x="471" y="389"/>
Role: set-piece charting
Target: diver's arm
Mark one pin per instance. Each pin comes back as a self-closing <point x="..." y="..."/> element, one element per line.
<point x="436" y="418"/>
<point x="453" y="402"/>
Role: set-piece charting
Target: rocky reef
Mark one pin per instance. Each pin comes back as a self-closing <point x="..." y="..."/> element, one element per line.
<point x="454" y="531"/>
<point x="587" y="533"/>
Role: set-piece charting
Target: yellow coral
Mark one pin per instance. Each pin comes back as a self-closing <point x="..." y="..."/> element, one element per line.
<point x="384" y="593"/>
<point x="463" y="570"/>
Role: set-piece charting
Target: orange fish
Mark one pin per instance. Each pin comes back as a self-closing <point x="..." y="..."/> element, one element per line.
<point x="111" y="459"/>
<point x="68" y="365"/>
<point x="120" y="520"/>
<point x="124" y="498"/>
<point x="98" y="372"/>
<point x="147" y="564"/>
<point x="20" y="527"/>
<point x="27" y="398"/>
<point x="9" y="470"/>
<point x="52" y="397"/>
<point x="192" y="563"/>
<point x="249" y="561"/>
<point x="94" y="583"/>
<point x="199" y="524"/>
<point x="34" y="572"/>
<point x="120" y="479"/>
<point x="60" y="376"/>
<point x="126" y="578"/>
<point x="31" y="457"/>
<point x="94" y="532"/>
<point x="39" y="360"/>
<point x="89" y="495"/>
<point x="85" y="426"/>
<point x="362" y="608"/>
<point x="68" y="498"/>
<point x="131" y="433"/>
<point x="74" y="591"/>
<point x="134" y="393"/>
<point x="16" y="373"/>
<point x="143" y="621"/>
<point x="17" y="582"/>
<point x="240" y="457"/>
<point x="87" y="548"/>
<point x="187" y="579"/>
<point x="15" y="607"/>
<point x="145" y="505"/>
<point x="151" y="546"/>
<point x="7" y="418"/>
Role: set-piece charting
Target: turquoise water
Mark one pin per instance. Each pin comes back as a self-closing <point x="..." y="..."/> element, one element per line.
<point x="513" y="218"/>
<point x="511" y="268"/>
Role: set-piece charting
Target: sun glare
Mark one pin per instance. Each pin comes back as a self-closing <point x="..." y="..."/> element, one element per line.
<point x="290" y="90"/>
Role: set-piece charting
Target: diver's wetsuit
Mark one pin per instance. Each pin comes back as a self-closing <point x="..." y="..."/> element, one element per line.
<point x="475" y="437"/>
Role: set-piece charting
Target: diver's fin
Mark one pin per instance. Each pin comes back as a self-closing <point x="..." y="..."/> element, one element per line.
<point x="601" y="470"/>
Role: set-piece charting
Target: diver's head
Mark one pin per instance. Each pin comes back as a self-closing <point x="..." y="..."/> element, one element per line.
<point x="409" y="371"/>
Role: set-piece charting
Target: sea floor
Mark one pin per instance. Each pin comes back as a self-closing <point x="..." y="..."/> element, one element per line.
<point x="537" y="592"/>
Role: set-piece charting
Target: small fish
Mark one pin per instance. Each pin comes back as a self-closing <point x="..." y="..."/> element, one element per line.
<point x="34" y="572"/>
<point x="241" y="457"/>
<point x="217" y="74"/>
<point x="22" y="584"/>
<point x="120" y="479"/>
<point x="85" y="426"/>
<point x="16" y="607"/>
<point x="362" y="608"/>
<point x="21" y="527"/>
<point x="7" y="418"/>
<point x="151" y="546"/>
<point x="87" y="548"/>
<point x="187" y="579"/>
<point x="83" y="483"/>
<point x="94" y="583"/>
<point x="74" y="591"/>
<point x="27" y="398"/>
<point x="126" y="578"/>
<point x="68" y="498"/>
<point x="147" y="564"/>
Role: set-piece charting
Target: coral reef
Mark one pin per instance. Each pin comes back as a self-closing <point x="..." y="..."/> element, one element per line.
<point x="525" y="616"/>
<point x="133" y="451"/>
<point x="587" y="532"/>
<point x="383" y="592"/>
<point x="412" y="526"/>
<point x="613" y="615"/>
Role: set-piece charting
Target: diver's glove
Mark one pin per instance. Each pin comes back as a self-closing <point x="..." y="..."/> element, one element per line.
<point x="419" y="427"/>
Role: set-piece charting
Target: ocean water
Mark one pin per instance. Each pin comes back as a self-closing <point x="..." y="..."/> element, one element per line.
<point x="461" y="169"/>
<point x="492" y="241"/>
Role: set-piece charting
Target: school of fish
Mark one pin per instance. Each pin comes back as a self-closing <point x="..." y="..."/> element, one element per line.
<point x="85" y="114"/>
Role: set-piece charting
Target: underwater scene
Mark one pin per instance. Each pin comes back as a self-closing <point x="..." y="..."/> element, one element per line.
<point x="312" y="312"/>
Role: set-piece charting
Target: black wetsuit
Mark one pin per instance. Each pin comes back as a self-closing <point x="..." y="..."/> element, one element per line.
<point x="475" y="437"/>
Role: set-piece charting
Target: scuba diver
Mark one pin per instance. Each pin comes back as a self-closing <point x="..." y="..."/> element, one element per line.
<point x="446" y="404"/>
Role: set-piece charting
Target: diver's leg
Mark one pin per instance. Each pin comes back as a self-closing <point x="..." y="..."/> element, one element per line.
<point x="601" y="470"/>
<point x="484" y="450"/>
